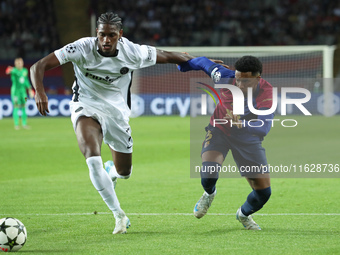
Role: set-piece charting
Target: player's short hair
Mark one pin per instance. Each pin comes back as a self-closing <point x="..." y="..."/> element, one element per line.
<point x="249" y="64"/>
<point x="111" y="19"/>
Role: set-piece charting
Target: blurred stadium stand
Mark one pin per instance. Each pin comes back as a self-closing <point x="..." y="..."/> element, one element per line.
<point x="27" y="28"/>
<point x="227" y="23"/>
<point x="33" y="28"/>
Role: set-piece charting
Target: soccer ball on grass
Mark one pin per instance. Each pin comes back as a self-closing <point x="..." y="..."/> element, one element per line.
<point x="13" y="234"/>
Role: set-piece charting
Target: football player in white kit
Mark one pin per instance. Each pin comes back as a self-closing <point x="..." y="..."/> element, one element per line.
<point x="100" y="104"/>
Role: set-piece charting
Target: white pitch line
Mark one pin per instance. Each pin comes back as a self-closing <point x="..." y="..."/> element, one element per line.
<point x="176" y="214"/>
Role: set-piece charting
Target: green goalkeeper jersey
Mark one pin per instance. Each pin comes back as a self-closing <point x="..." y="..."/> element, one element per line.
<point x="20" y="82"/>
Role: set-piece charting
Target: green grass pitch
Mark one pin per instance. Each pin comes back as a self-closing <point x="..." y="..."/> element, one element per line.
<point x="44" y="182"/>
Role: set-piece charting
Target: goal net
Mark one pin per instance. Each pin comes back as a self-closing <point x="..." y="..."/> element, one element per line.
<point x="163" y="90"/>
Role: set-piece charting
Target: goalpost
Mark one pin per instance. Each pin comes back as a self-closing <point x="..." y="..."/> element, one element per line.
<point x="263" y="51"/>
<point x="310" y="67"/>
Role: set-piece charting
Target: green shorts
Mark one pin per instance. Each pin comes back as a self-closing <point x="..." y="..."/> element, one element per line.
<point x="18" y="99"/>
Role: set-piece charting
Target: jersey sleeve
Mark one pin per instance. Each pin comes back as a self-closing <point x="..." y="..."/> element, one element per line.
<point x="214" y="70"/>
<point x="14" y="73"/>
<point x="14" y="80"/>
<point x="71" y="52"/>
<point x="265" y="100"/>
<point x="220" y="74"/>
<point x="142" y="55"/>
<point x="262" y="126"/>
<point x="27" y="81"/>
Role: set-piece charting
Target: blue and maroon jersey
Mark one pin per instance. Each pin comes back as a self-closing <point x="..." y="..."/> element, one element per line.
<point x="262" y="99"/>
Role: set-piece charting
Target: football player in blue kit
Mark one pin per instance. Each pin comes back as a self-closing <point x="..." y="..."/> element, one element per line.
<point x="243" y="137"/>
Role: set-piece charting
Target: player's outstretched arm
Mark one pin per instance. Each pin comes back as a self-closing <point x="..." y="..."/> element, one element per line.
<point x="37" y="72"/>
<point x="164" y="57"/>
<point x="208" y="66"/>
<point x="9" y="69"/>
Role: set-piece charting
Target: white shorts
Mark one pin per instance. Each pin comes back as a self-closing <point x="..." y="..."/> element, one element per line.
<point x="116" y="132"/>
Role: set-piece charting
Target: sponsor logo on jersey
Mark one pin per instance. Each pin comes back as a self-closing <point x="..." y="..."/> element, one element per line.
<point x="124" y="70"/>
<point x="107" y="78"/>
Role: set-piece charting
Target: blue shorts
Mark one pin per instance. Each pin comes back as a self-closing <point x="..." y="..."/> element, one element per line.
<point x="250" y="158"/>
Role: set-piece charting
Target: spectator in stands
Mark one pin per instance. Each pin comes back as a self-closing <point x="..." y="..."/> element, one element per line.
<point x="27" y="28"/>
<point x="32" y="23"/>
<point x="209" y="23"/>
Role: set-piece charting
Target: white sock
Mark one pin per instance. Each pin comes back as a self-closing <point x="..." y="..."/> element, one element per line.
<point x="241" y="214"/>
<point x="103" y="184"/>
<point x="113" y="174"/>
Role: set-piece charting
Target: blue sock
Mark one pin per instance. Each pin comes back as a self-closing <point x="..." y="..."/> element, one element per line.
<point x="255" y="201"/>
<point x="209" y="176"/>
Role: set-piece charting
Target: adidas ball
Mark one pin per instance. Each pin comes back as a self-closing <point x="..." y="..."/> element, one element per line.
<point x="13" y="234"/>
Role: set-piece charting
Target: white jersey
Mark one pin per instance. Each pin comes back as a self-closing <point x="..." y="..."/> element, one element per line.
<point x="101" y="81"/>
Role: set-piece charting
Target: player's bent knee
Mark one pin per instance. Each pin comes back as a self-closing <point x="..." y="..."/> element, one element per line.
<point x="209" y="175"/>
<point x="89" y="153"/>
<point x="264" y="194"/>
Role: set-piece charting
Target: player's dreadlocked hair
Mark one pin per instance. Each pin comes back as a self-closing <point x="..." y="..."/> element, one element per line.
<point x="249" y="64"/>
<point x="110" y="18"/>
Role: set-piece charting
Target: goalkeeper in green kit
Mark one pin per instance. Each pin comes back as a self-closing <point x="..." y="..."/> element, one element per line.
<point x="20" y="85"/>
